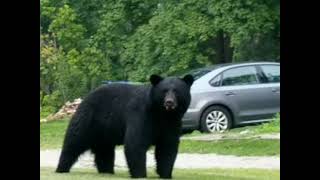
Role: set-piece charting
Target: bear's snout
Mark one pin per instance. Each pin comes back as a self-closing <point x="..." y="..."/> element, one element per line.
<point x="170" y="102"/>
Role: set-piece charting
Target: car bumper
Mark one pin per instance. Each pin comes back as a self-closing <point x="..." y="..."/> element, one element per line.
<point x="190" y="119"/>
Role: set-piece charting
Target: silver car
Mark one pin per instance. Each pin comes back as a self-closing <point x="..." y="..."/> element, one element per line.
<point x="228" y="95"/>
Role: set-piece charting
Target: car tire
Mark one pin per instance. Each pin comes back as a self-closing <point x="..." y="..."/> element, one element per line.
<point x="215" y="119"/>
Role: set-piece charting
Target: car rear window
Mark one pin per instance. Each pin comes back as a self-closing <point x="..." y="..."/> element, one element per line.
<point x="272" y="73"/>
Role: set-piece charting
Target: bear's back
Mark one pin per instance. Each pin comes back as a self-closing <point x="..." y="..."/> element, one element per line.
<point x="110" y="104"/>
<point x="113" y="93"/>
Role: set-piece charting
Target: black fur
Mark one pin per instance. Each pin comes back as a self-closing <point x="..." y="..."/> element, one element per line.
<point x="131" y="115"/>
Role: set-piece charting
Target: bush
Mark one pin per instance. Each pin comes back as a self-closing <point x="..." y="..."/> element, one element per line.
<point x="54" y="100"/>
<point x="45" y="111"/>
<point x="51" y="104"/>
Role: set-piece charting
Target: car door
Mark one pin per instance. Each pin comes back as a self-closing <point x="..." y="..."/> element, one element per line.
<point x="270" y="78"/>
<point x="241" y="87"/>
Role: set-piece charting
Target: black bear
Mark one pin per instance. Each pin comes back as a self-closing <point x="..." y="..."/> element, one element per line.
<point x="136" y="116"/>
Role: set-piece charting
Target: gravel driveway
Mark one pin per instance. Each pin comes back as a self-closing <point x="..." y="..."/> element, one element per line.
<point x="49" y="158"/>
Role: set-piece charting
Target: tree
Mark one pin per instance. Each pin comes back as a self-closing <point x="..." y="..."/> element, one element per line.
<point x="188" y="34"/>
<point x="49" y="56"/>
<point x="64" y="27"/>
<point x="86" y="41"/>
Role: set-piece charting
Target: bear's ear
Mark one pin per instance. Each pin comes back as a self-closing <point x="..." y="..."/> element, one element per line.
<point x="155" y="79"/>
<point x="188" y="79"/>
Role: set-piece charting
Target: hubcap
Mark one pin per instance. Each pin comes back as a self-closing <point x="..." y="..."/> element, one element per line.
<point x="217" y="121"/>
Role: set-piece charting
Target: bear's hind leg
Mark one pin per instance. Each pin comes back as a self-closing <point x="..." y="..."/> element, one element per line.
<point x="73" y="147"/>
<point x="104" y="158"/>
<point x="77" y="138"/>
<point x="67" y="158"/>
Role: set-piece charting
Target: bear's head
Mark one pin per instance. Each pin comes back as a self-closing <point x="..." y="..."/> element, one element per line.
<point x="171" y="94"/>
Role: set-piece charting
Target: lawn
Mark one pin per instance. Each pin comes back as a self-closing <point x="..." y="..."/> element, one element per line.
<point x="242" y="147"/>
<point x="52" y="134"/>
<point x="179" y="174"/>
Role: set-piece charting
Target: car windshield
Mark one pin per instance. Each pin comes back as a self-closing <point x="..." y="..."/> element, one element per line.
<point x="198" y="73"/>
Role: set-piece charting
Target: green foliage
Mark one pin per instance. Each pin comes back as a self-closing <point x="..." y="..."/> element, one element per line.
<point x="45" y="111"/>
<point x="84" y="42"/>
<point x="182" y="36"/>
<point x="66" y="29"/>
<point x="52" y="101"/>
<point x="51" y="104"/>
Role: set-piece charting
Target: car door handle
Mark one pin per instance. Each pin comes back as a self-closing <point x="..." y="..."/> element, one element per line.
<point x="275" y="90"/>
<point x="230" y="93"/>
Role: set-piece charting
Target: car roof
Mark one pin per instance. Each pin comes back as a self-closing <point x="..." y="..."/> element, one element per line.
<point x="217" y="66"/>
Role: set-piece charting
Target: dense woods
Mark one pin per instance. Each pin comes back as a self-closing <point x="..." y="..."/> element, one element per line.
<point x="84" y="42"/>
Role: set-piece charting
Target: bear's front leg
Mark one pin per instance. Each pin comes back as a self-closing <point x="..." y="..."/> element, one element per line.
<point x="165" y="155"/>
<point x="136" y="160"/>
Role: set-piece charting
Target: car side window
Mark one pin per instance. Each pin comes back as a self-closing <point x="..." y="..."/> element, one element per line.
<point x="240" y="76"/>
<point x="272" y="73"/>
<point x="215" y="82"/>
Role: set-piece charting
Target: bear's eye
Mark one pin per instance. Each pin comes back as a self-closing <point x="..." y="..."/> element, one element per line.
<point x="174" y="90"/>
<point x="164" y="90"/>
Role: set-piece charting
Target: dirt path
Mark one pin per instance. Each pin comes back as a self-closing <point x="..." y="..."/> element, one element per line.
<point x="49" y="158"/>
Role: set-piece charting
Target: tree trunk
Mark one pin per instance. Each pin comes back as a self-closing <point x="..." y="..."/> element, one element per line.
<point x="41" y="98"/>
<point x="228" y="50"/>
<point x="220" y="48"/>
<point x="224" y="52"/>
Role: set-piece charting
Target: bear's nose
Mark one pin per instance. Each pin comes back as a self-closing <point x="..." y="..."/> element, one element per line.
<point x="169" y="102"/>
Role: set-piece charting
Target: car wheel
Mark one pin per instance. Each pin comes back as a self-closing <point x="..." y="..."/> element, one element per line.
<point x="216" y="119"/>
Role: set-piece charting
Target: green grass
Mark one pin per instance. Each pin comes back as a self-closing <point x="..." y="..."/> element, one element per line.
<point x="179" y="174"/>
<point x="242" y="147"/>
<point x="271" y="127"/>
<point x="52" y="134"/>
